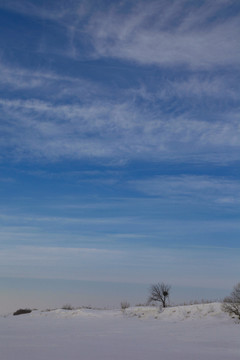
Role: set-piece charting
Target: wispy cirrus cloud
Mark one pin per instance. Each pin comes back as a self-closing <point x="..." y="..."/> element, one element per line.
<point x="66" y="220"/>
<point x="194" y="86"/>
<point x="67" y="18"/>
<point x="177" y="33"/>
<point x="66" y="116"/>
<point x="110" y="130"/>
<point x="169" y="34"/>
<point x="43" y="83"/>
<point x="33" y="9"/>
<point x="192" y="188"/>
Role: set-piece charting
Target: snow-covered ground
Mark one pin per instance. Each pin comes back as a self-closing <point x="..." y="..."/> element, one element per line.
<point x="194" y="332"/>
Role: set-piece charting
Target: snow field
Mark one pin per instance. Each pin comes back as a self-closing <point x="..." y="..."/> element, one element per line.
<point x="195" y="332"/>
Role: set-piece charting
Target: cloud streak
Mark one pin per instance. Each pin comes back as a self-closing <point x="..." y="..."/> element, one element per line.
<point x="192" y="187"/>
<point x="115" y="131"/>
<point x="176" y="33"/>
<point x="146" y="35"/>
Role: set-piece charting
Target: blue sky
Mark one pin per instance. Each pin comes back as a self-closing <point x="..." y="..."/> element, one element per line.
<point x="119" y="150"/>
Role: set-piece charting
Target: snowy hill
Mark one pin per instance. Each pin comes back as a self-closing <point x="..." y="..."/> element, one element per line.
<point x="176" y="313"/>
<point x="190" y="312"/>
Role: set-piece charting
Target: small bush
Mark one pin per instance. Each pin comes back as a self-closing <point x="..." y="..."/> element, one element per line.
<point x="22" y="311"/>
<point x="124" y="305"/>
<point x="67" y="307"/>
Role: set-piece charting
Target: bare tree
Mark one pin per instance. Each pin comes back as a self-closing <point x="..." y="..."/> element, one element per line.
<point x="159" y="292"/>
<point x="231" y="304"/>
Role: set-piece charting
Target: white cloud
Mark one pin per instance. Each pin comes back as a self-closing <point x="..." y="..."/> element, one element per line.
<point x="74" y="118"/>
<point x="168" y="34"/>
<point x="163" y="33"/>
<point x="45" y="83"/>
<point x="117" y="131"/>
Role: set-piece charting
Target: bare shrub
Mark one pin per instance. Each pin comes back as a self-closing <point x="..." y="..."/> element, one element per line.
<point x="22" y="311"/>
<point x="231" y="304"/>
<point x="67" y="307"/>
<point x="141" y="304"/>
<point x="124" y="305"/>
<point x="196" y="302"/>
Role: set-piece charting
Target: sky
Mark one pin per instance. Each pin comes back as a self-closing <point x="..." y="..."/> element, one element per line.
<point x="119" y="150"/>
